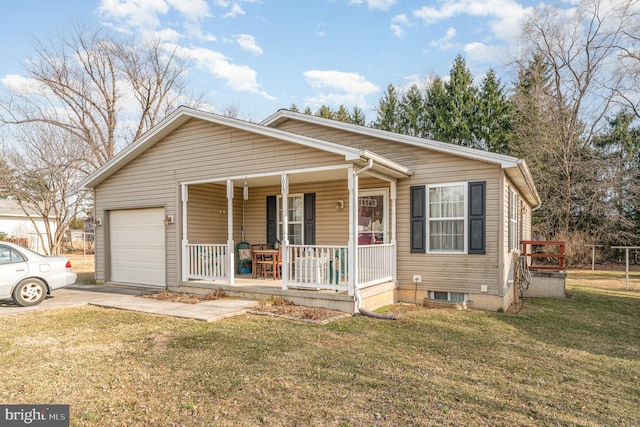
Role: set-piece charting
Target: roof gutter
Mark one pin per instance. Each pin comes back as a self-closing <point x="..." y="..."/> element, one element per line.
<point x="524" y="170"/>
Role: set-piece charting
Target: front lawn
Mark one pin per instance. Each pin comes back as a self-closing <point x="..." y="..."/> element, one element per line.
<point x="559" y="362"/>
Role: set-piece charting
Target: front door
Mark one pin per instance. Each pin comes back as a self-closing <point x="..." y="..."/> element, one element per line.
<point x="372" y="217"/>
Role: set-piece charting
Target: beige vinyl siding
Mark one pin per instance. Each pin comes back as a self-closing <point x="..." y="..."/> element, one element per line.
<point x="207" y="213"/>
<point x="525" y="228"/>
<point x="451" y="272"/>
<point x="440" y="272"/>
<point x="403" y="154"/>
<point x="197" y="150"/>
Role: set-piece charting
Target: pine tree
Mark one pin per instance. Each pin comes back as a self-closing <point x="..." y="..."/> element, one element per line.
<point x="494" y="118"/>
<point x="411" y="112"/>
<point x="461" y="104"/>
<point x="388" y="111"/>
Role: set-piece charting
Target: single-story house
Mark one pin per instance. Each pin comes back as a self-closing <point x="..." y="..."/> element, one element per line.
<point x="26" y="229"/>
<point x="363" y="217"/>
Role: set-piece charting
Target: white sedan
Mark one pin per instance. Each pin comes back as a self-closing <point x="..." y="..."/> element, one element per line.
<point x="28" y="277"/>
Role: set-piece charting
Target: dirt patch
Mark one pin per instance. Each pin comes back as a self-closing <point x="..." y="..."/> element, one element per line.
<point x="186" y="297"/>
<point x="280" y="307"/>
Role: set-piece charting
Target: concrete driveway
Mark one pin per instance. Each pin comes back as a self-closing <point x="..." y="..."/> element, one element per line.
<point x="128" y="298"/>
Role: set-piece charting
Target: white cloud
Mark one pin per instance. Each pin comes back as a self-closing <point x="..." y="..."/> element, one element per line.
<point x="398" y="25"/>
<point x="136" y="13"/>
<point x="480" y="52"/>
<point x="444" y="42"/>
<point x="21" y="85"/>
<point x="319" y="31"/>
<point x="145" y="16"/>
<point x="248" y="42"/>
<point x="341" y="88"/>
<point x="375" y="4"/>
<point x="168" y="35"/>
<point x="240" y="78"/>
<point x="193" y="10"/>
<point x="502" y="17"/>
<point x="236" y="10"/>
<point x="506" y="14"/>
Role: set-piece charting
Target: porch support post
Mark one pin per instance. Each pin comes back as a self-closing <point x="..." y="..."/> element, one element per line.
<point x="284" y="189"/>
<point x="230" y="244"/>
<point x="394" y="197"/>
<point x="353" y="232"/>
<point x="184" y="198"/>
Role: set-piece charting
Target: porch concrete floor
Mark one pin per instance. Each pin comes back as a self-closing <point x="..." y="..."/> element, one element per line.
<point x="266" y="289"/>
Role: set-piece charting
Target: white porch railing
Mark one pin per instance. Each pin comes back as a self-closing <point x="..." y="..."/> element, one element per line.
<point x="327" y="267"/>
<point x="317" y="267"/>
<point x="310" y="266"/>
<point x="375" y="264"/>
<point x="206" y="261"/>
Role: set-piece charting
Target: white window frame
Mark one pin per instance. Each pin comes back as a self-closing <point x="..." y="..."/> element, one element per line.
<point x="290" y="222"/>
<point x="464" y="218"/>
<point x="385" y="209"/>
<point x="514" y="220"/>
<point x="465" y="297"/>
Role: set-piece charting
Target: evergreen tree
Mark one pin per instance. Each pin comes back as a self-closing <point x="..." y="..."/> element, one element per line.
<point x="357" y="116"/>
<point x="494" y="118"/>
<point x="436" y="114"/>
<point x="388" y="115"/>
<point x="411" y="112"/>
<point x="325" y="112"/>
<point x="620" y="150"/>
<point x="461" y="105"/>
<point x="342" y="115"/>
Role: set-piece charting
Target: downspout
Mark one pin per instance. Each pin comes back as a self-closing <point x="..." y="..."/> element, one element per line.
<point x="362" y="310"/>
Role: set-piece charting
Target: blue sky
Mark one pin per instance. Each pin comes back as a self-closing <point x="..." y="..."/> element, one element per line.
<point x="262" y="55"/>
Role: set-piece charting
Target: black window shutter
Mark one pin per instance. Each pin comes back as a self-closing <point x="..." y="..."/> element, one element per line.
<point x="272" y="219"/>
<point x="310" y="218"/>
<point x="477" y="217"/>
<point x="418" y="219"/>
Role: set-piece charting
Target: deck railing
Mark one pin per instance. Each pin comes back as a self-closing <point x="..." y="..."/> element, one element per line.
<point x="318" y="267"/>
<point x="207" y="261"/>
<point x="539" y="249"/>
<point x="309" y="266"/>
<point x="326" y="267"/>
<point x="375" y="264"/>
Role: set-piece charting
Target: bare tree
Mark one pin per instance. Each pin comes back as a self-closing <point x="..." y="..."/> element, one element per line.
<point x="42" y="173"/>
<point x="90" y="84"/>
<point x="577" y="52"/>
<point x="629" y="65"/>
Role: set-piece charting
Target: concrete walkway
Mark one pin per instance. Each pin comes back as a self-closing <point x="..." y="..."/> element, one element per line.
<point x="128" y="298"/>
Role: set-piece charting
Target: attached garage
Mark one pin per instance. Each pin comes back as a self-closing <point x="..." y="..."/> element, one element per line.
<point x="137" y="242"/>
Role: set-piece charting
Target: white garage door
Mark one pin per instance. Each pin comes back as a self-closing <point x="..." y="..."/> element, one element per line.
<point x="137" y="246"/>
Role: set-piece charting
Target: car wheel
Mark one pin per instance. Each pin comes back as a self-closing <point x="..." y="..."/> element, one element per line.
<point x="30" y="292"/>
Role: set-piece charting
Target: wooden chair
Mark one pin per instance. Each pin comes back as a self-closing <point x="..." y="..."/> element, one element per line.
<point x="267" y="267"/>
<point x="258" y="258"/>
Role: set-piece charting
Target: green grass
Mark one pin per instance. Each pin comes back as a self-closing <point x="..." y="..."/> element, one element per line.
<point x="560" y="362"/>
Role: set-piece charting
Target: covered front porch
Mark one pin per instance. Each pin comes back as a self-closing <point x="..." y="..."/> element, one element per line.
<point x="335" y="228"/>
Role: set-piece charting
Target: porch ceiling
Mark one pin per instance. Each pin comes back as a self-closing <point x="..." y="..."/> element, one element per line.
<point x="294" y="178"/>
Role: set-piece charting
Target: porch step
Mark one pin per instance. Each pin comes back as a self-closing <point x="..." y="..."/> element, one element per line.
<point x="373" y="297"/>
